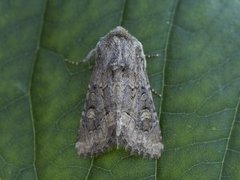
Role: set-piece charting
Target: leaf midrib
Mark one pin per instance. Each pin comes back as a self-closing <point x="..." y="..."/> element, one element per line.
<point x="35" y="58"/>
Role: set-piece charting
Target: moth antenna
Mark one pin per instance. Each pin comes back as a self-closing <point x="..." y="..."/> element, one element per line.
<point x="89" y="56"/>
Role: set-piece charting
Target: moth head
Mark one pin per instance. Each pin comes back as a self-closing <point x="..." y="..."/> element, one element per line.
<point x="119" y="50"/>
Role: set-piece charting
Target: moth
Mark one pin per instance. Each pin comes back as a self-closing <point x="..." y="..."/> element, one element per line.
<point x="119" y="109"/>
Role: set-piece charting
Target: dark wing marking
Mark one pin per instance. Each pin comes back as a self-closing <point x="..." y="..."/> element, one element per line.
<point x="97" y="132"/>
<point x="138" y="128"/>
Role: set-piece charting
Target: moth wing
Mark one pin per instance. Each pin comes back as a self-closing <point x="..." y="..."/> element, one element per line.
<point x="97" y="132"/>
<point x="138" y="127"/>
<point x="146" y="143"/>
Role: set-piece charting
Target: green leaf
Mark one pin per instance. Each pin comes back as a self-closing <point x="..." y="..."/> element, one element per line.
<point x="197" y="73"/>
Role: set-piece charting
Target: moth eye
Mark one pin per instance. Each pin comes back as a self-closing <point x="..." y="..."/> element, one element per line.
<point x="146" y="119"/>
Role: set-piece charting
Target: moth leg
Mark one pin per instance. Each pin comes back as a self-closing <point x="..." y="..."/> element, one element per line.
<point x="152" y="55"/>
<point x="89" y="56"/>
<point x="155" y="92"/>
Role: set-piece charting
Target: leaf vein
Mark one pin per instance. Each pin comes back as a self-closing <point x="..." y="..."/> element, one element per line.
<point x="44" y="10"/>
<point x="228" y="138"/>
<point x="171" y="19"/>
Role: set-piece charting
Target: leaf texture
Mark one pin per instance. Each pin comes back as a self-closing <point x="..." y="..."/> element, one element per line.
<point x="197" y="74"/>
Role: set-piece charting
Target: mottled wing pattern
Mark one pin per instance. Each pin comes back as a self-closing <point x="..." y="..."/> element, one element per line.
<point x="119" y="108"/>
<point x="97" y="132"/>
<point x="138" y="127"/>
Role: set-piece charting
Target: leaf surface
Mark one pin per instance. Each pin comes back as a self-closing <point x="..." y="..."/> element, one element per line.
<point x="197" y="74"/>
